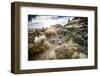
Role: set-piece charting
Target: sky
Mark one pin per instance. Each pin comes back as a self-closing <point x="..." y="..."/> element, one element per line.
<point x="39" y="21"/>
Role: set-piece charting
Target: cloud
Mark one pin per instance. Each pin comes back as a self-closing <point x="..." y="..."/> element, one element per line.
<point x="46" y="21"/>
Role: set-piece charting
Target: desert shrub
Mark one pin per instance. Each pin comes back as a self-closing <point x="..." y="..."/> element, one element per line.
<point x="67" y="50"/>
<point x="36" y="49"/>
<point x="51" y="31"/>
<point x="40" y="39"/>
<point x="40" y="44"/>
<point x="61" y="52"/>
<point x="30" y="45"/>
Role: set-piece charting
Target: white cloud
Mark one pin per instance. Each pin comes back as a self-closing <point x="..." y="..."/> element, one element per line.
<point x="46" y="21"/>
